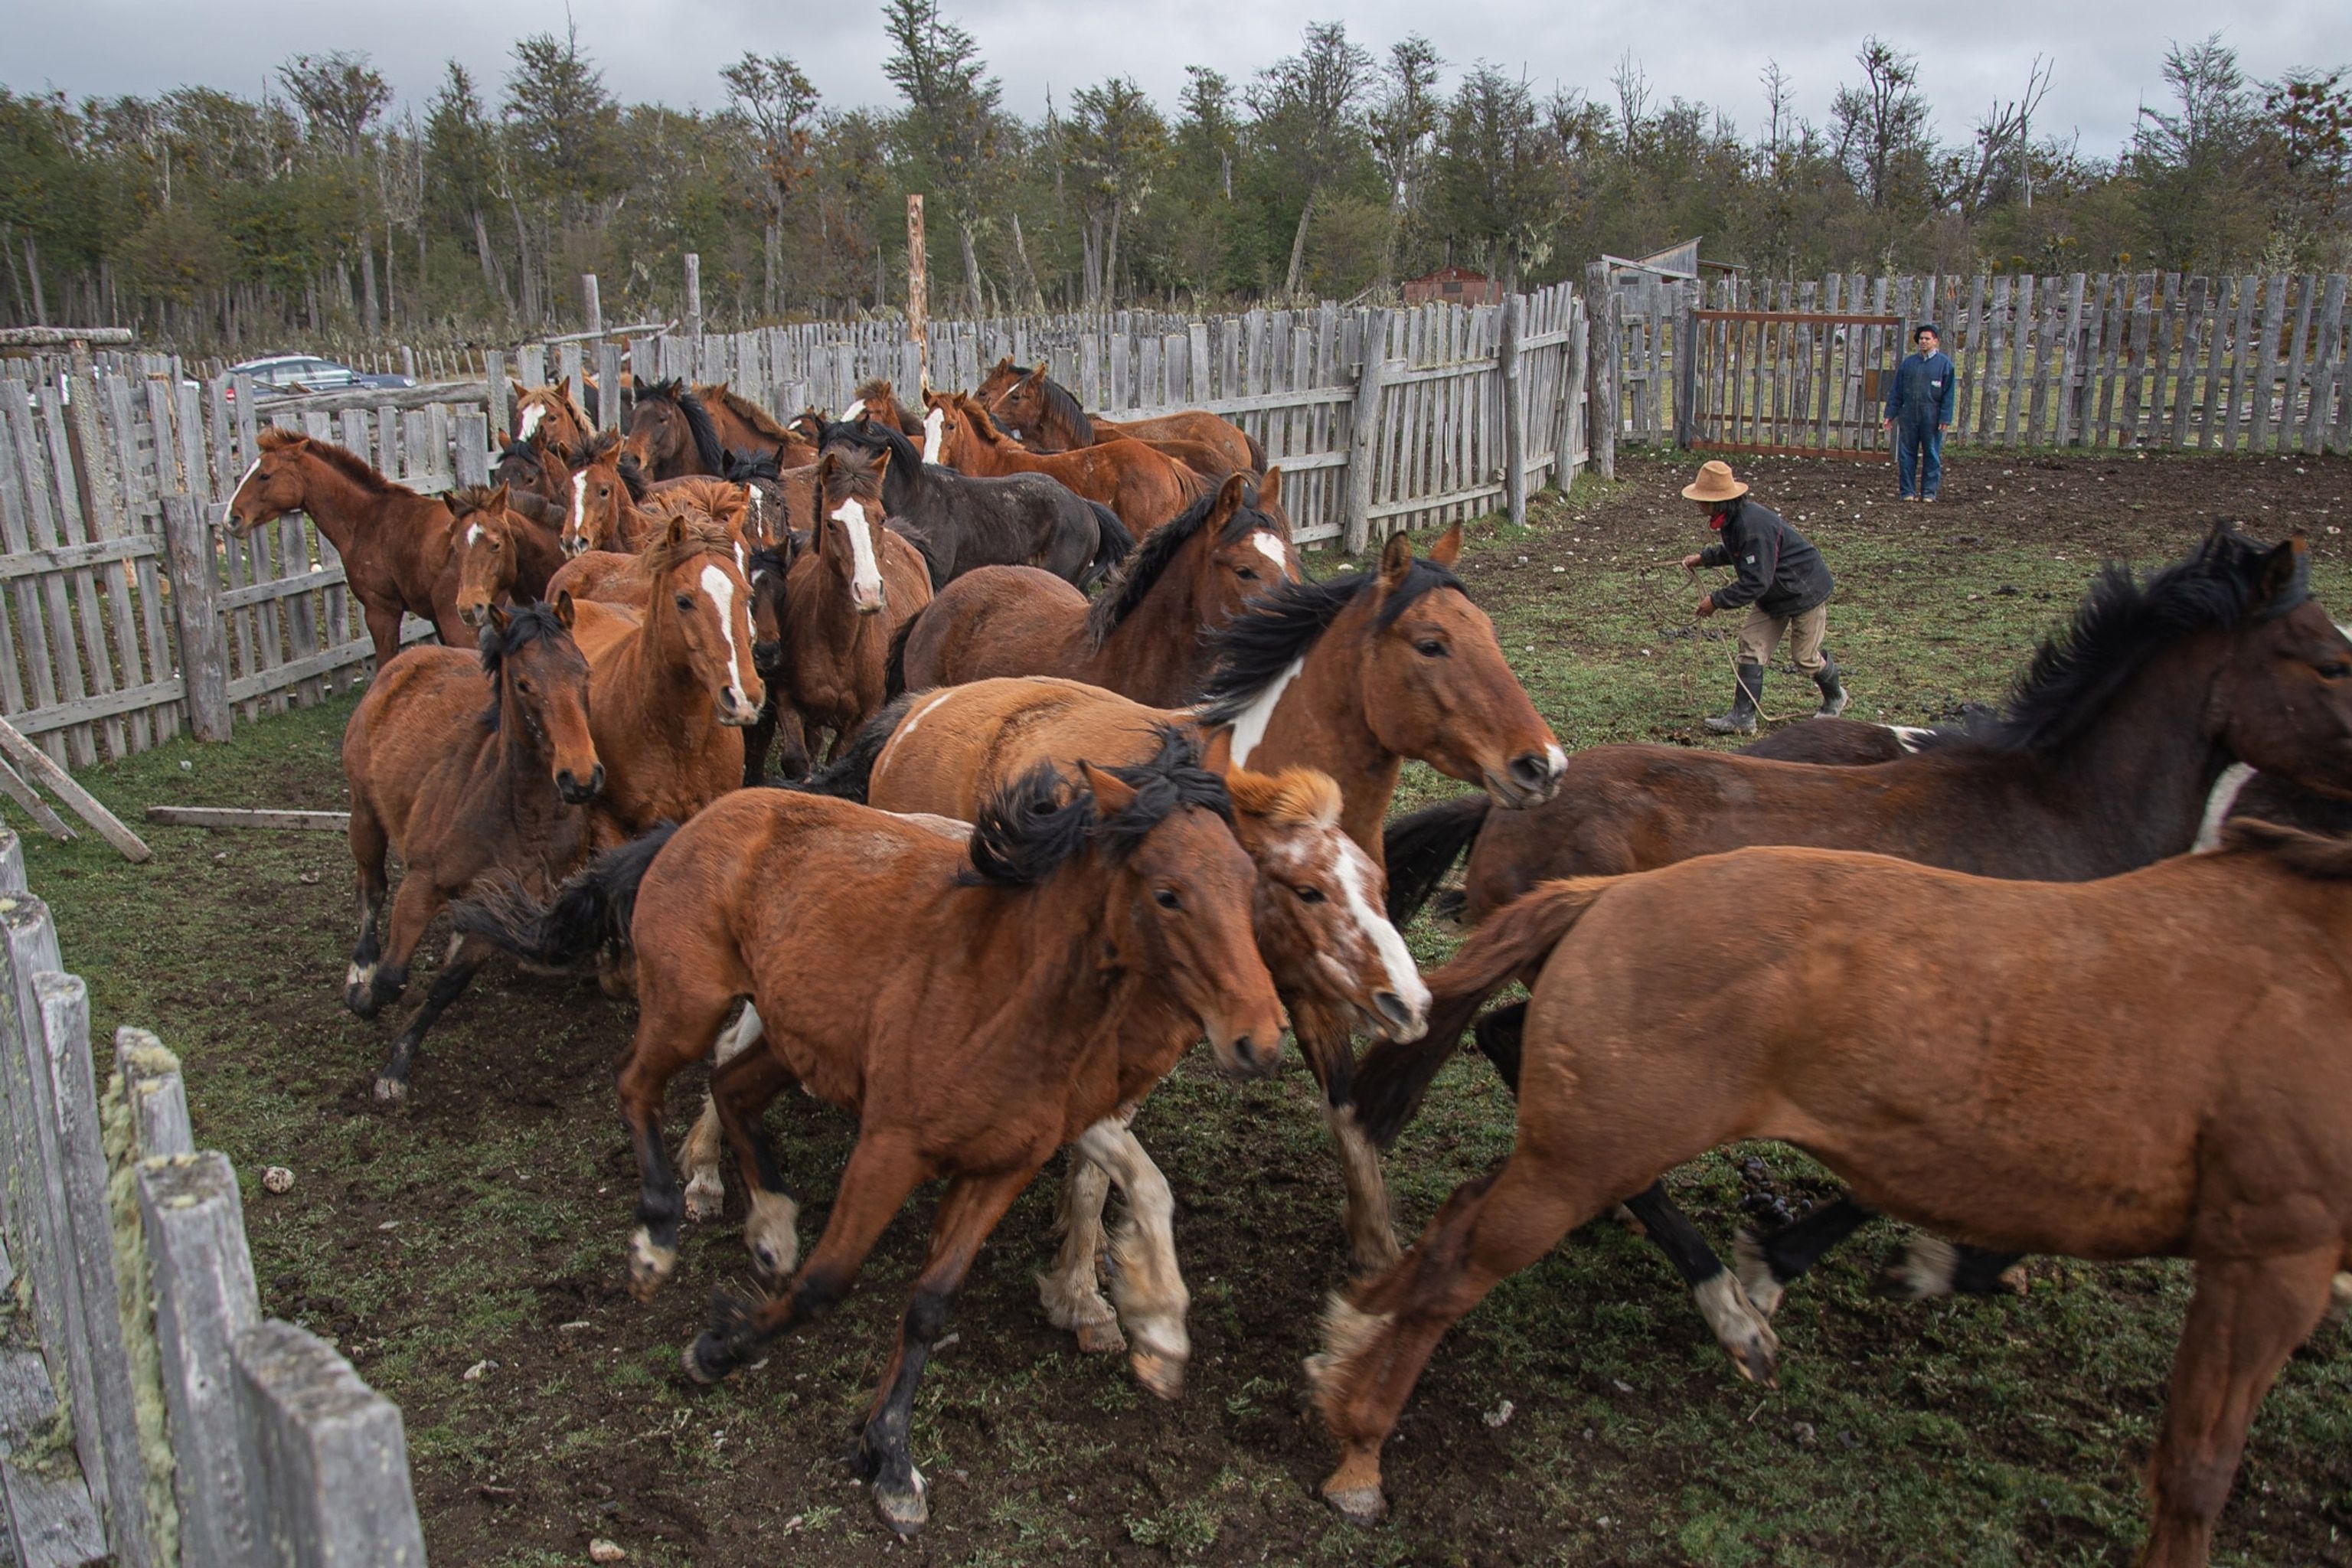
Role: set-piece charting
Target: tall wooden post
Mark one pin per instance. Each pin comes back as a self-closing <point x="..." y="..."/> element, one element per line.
<point x="1686" y="375"/>
<point x="919" y="288"/>
<point x="589" y="305"/>
<point x="1363" y="423"/>
<point x="693" y="296"/>
<point x="1608" y="414"/>
<point x="1514" y="413"/>
<point x="204" y="656"/>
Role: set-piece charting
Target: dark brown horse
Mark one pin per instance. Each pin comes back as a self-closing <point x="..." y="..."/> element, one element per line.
<point x="463" y="777"/>
<point x="2104" y="762"/>
<point x="976" y="1006"/>
<point x="537" y="480"/>
<point x="501" y="555"/>
<point x="671" y="435"/>
<point x="1046" y="415"/>
<point x="1146" y="635"/>
<point x="394" y="543"/>
<point x="2152" y="1065"/>
<point x="744" y="427"/>
<point x="1145" y="487"/>
<point x="845" y="599"/>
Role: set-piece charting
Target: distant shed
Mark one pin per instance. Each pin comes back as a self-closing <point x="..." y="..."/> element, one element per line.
<point x="1454" y="286"/>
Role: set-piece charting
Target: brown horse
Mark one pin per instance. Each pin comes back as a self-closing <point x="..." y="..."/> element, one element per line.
<point x="671" y="697"/>
<point x="548" y="413"/>
<point x="460" y="791"/>
<point x="537" y="480"/>
<point x="1145" y="487"/>
<point x="878" y="400"/>
<point x="393" y="542"/>
<point x="976" y="1005"/>
<point x="501" y="555"/>
<point x="1046" y="417"/>
<point x="2147" y="1066"/>
<point x="605" y="509"/>
<point x="2104" y="762"/>
<point x="846" y="597"/>
<point x="1145" y="638"/>
<point x="744" y="427"/>
<point x="671" y="434"/>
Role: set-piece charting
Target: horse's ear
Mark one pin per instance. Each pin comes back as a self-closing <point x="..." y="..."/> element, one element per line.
<point x="881" y="463"/>
<point x="1230" y="496"/>
<point x="1112" y="795"/>
<point x="1396" y="559"/>
<point x="1217" y="756"/>
<point x="1447" y="549"/>
<point x="563" y="610"/>
<point x="497" y="501"/>
<point x="499" y="617"/>
<point x="1036" y="377"/>
<point x="2282" y="570"/>
<point x="676" y="533"/>
<point x="1269" y="491"/>
<point x="826" y="461"/>
<point x="1006" y="363"/>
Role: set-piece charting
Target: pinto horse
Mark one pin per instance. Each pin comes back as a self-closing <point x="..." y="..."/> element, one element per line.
<point x="393" y="542"/>
<point x="671" y="434"/>
<point x="501" y="555"/>
<point x="1048" y="416"/>
<point x="2103" y="761"/>
<point x="463" y="777"/>
<point x="2151" y="1065"/>
<point x="744" y="427"/>
<point x="964" y="523"/>
<point x="1144" y="485"/>
<point x="977" y="1006"/>
<point x="846" y="598"/>
<point x="1145" y="636"/>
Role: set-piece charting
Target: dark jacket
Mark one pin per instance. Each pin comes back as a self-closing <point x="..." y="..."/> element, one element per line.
<point x="1924" y="391"/>
<point x="1780" y="572"/>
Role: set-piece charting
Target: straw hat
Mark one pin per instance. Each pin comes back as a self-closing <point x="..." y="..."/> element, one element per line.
<point x="1714" y="483"/>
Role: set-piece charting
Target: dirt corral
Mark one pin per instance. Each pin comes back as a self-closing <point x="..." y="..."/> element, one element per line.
<point x="467" y="1252"/>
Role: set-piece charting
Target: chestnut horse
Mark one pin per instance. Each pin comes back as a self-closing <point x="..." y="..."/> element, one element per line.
<point x="1145" y="487"/>
<point x="2148" y="1066"/>
<point x="393" y="542"/>
<point x="548" y="413"/>
<point x="1046" y="416"/>
<point x="671" y="435"/>
<point x="463" y="777"/>
<point x="501" y="555"/>
<point x="744" y="427"/>
<point x="769" y="570"/>
<point x="2104" y="762"/>
<point x="878" y="401"/>
<point x="603" y="510"/>
<point x="976" y="1005"/>
<point x="1145" y="636"/>
<point x="845" y="599"/>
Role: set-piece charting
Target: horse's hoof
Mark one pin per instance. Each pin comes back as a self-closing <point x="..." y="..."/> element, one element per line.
<point x="705" y="1372"/>
<point x="1101" y="1339"/>
<point x="904" y="1510"/>
<point x="706" y="1195"/>
<point x="1757" y="1360"/>
<point x="1162" y="1374"/>
<point x="361" y="1001"/>
<point x="771" y="1232"/>
<point x="1359" y="1505"/>
<point x="2340" y="1299"/>
<point x="1926" y="1269"/>
<point x="1755" y="1276"/>
<point x="389" y="1091"/>
<point x="650" y="1266"/>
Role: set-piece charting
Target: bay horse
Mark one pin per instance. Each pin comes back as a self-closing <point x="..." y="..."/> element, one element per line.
<point x="846" y="598"/>
<point x="769" y="569"/>
<point x="537" y="480"/>
<point x="605" y="509"/>
<point x="744" y="427"/>
<point x="1145" y="487"/>
<point x="548" y="411"/>
<point x="671" y="434"/>
<point x="964" y="523"/>
<point x="2150" y="1065"/>
<point x="466" y="765"/>
<point x="878" y="400"/>
<point x="393" y="542"/>
<point x="975" y="1004"/>
<point x="2103" y="761"/>
<point x="1145" y="636"/>
<point x="502" y="556"/>
<point x="1046" y="416"/>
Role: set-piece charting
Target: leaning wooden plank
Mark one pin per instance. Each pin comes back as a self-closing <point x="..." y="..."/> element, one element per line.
<point x="52" y="1518"/>
<point x="39" y="769"/>
<point x="331" y="1453"/>
<point x="14" y="786"/>
<point x="194" y="1225"/>
<point x="239" y="816"/>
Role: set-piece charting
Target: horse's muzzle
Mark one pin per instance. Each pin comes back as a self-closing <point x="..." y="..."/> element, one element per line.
<point x="737" y="711"/>
<point x="574" y="792"/>
<point x="1529" y="779"/>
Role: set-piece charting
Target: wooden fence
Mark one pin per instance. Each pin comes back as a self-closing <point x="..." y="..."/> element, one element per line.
<point x="160" y="1419"/>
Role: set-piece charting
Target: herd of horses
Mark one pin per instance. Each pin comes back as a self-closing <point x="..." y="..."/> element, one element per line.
<point x="965" y="767"/>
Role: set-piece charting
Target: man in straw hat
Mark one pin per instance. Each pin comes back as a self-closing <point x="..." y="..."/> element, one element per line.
<point x="1783" y="583"/>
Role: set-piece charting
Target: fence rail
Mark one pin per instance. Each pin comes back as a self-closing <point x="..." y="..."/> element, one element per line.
<point x="202" y="1434"/>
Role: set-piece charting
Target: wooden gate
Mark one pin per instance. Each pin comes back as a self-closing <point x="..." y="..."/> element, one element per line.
<point x="1789" y="383"/>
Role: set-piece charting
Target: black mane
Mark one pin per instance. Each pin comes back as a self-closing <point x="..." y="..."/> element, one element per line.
<point x="1063" y="405"/>
<point x="1033" y="826"/>
<point x="1135" y="577"/>
<point x="2124" y="623"/>
<point x="741" y="468"/>
<point x="526" y="624"/>
<point x="698" y="420"/>
<point x="875" y="436"/>
<point x="1277" y="628"/>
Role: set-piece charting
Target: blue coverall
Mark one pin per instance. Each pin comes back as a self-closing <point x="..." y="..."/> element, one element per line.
<point x="1920" y="403"/>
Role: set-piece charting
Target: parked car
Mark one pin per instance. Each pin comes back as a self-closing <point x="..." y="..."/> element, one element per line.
<point x="284" y="375"/>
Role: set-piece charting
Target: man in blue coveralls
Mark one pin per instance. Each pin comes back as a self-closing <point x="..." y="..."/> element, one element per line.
<point x="1919" y="410"/>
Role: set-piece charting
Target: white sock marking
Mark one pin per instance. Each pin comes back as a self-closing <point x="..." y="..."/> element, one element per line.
<point x="865" y="572"/>
<point x="721" y="589"/>
<point x="2226" y="790"/>
<point x="1249" y="729"/>
<point x="1349" y="866"/>
<point x="934" y="423"/>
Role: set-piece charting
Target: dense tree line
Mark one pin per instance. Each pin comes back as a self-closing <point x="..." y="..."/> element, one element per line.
<point x="207" y="218"/>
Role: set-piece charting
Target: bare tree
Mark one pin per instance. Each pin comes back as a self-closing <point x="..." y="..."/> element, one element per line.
<point x="340" y="95"/>
<point x="777" y="105"/>
<point x="1882" y="126"/>
<point x="1308" y="110"/>
<point x="1404" y="123"/>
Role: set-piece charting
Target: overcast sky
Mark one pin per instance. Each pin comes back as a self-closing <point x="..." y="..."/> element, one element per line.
<point x="2108" y="52"/>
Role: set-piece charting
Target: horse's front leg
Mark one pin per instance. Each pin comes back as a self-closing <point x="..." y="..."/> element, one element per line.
<point x="1072" y="1300"/>
<point x="1145" y="1282"/>
<point x="1371" y="1230"/>
<point x="706" y="1193"/>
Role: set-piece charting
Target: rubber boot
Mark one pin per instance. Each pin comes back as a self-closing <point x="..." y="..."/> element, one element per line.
<point x="1832" y="690"/>
<point x="1741" y="719"/>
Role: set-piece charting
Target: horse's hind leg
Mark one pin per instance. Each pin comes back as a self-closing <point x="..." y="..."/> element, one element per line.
<point x="1145" y="1282"/>
<point x="1738" y="1327"/>
<point x="1068" y="1292"/>
<point x="369" y="848"/>
<point x="1770" y="1261"/>
<point x="413" y="908"/>
<point x="1931" y="1266"/>
<point x="1371" y="1230"/>
<point x="466" y="954"/>
<point x="2245" y="1320"/>
<point x="675" y="1025"/>
<point x="705" y="1192"/>
<point x="742" y="1089"/>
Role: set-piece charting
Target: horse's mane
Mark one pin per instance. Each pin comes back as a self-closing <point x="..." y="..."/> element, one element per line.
<point x="468" y="498"/>
<point x="741" y="468"/>
<point x="697" y="536"/>
<point x="2124" y="623"/>
<point x="983" y="424"/>
<point x="872" y="437"/>
<point x="2318" y="855"/>
<point x="1278" y="627"/>
<point x="1133" y="579"/>
<point x="775" y="558"/>
<point x="526" y="624"/>
<point x="351" y="465"/>
<point x="1061" y="403"/>
<point x="1033" y="824"/>
<point x="744" y="408"/>
<point x="719" y="500"/>
<point x="1294" y="796"/>
<point x="698" y="418"/>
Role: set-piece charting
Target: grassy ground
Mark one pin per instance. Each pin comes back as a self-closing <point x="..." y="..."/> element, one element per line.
<point x="1582" y="1415"/>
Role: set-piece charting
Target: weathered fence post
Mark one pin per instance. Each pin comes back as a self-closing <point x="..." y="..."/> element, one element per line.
<point x="205" y="1299"/>
<point x="1572" y="394"/>
<point x="608" y="386"/>
<point x="203" y="657"/>
<point x="693" y="322"/>
<point x="1687" y="372"/>
<point x="153" y="1093"/>
<point x="471" y="450"/>
<point x="1601" y="377"/>
<point x="1514" y="411"/>
<point x="1363" y="422"/>
<point x="919" y="288"/>
<point x="591" y="306"/>
<point x="330" y="1454"/>
<point x="494" y="375"/>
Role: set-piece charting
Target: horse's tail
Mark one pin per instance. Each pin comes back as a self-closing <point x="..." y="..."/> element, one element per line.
<point x="1420" y="848"/>
<point x="1519" y="937"/>
<point x="588" y="913"/>
<point x="894" y="667"/>
<point x="1113" y="543"/>
<point x="1257" y="450"/>
<point x="850" y="776"/>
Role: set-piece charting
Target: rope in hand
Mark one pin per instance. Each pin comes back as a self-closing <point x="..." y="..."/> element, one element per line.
<point x="1763" y="715"/>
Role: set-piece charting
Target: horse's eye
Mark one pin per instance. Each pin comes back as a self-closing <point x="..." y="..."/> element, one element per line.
<point x="686" y="601"/>
<point x="2335" y="671"/>
<point x="1430" y="648"/>
<point x="523" y="685"/>
<point x="1308" y="895"/>
<point x="1245" y="573"/>
<point x="1167" y="900"/>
